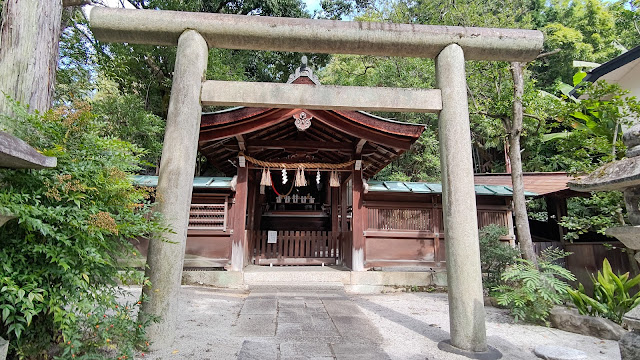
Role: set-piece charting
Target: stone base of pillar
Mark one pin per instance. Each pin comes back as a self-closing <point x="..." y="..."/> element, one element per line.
<point x="491" y="353"/>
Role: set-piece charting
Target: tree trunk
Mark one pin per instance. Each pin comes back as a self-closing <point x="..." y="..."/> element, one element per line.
<point x="29" y="36"/>
<point x="519" y="204"/>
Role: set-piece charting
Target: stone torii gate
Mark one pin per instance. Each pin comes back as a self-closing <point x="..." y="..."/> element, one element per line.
<point x="195" y="33"/>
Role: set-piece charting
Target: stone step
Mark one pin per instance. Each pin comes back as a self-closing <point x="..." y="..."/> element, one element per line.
<point x="296" y="277"/>
<point x="288" y="286"/>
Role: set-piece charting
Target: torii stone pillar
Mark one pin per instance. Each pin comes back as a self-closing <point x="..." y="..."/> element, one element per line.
<point x="466" y="312"/>
<point x="175" y="185"/>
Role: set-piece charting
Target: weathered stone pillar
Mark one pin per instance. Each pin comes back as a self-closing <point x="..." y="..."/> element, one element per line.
<point x="175" y="184"/>
<point x="466" y="307"/>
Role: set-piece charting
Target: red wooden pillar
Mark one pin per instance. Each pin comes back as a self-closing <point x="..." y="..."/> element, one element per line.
<point x="239" y="239"/>
<point x="335" y="226"/>
<point x="345" y="237"/>
<point x="251" y="209"/>
<point x="357" y="223"/>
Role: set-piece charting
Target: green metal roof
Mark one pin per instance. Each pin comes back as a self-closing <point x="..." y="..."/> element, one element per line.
<point x="428" y="188"/>
<point x="224" y="183"/>
<point x="199" y="182"/>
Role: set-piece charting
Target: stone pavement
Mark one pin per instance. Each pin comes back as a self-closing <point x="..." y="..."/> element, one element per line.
<point x="291" y="323"/>
<point x="274" y="322"/>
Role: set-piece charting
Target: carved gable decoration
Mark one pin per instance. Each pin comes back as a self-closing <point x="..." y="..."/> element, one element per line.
<point x="303" y="121"/>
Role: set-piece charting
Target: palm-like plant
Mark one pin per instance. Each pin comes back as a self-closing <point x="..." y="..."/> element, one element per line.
<point x="611" y="295"/>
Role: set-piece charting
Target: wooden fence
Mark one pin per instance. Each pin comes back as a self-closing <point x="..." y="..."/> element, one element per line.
<point x="296" y="247"/>
<point x="586" y="258"/>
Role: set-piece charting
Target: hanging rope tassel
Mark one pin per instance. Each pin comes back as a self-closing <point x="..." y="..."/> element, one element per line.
<point x="266" y="177"/>
<point x="300" y="178"/>
<point x="333" y="180"/>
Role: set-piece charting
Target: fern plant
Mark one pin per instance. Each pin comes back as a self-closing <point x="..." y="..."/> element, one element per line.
<point x="611" y="295"/>
<point x="531" y="292"/>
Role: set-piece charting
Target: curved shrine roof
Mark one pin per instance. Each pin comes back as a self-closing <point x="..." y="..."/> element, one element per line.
<point x="332" y="136"/>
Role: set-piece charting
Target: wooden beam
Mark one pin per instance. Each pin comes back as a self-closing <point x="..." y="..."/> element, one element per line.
<point x="326" y="97"/>
<point x="359" y="146"/>
<point x="241" y="143"/>
<point x="299" y="144"/>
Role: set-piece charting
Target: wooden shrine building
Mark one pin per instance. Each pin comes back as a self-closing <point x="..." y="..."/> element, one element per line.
<point x="337" y="217"/>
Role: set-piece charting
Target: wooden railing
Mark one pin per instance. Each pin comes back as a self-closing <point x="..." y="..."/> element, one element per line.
<point x="295" y="247"/>
<point x="208" y="216"/>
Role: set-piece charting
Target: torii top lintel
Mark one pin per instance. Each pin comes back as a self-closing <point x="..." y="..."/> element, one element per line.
<point x="161" y="27"/>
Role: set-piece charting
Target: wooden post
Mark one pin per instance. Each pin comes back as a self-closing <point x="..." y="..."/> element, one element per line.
<point x="252" y="196"/>
<point x="335" y="226"/>
<point x="238" y="238"/>
<point x="345" y="244"/>
<point x="556" y="209"/>
<point x="357" y="220"/>
<point x="335" y="196"/>
<point x="344" y="205"/>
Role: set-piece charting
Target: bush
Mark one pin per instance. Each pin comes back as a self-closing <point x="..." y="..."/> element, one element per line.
<point x="531" y="292"/>
<point x="611" y="297"/>
<point x="495" y="256"/>
<point x="58" y="283"/>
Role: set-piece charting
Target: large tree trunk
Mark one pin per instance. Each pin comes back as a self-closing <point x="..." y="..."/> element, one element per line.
<point x="519" y="204"/>
<point x="29" y="36"/>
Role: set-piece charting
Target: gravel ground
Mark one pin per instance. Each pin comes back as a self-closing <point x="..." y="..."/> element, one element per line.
<point x="410" y="325"/>
<point x="413" y="323"/>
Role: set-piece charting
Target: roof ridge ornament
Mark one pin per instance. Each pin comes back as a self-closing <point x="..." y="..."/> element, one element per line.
<point x="303" y="70"/>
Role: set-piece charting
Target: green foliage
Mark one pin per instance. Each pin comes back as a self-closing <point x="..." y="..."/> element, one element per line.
<point x="146" y="72"/>
<point x="627" y="17"/>
<point x="58" y="260"/>
<point x="124" y="116"/>
<point x="495" y="256"/>
<point x="531" y="292"/>
<point x="602" y="210"/>
<point x="611" y="295"/>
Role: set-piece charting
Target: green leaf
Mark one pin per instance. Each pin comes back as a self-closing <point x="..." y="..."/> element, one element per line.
<point x="578" y="77"/>
<point x="555" y="136"/>
<point x="566" y="89"/>
<point x="5" y="314"/>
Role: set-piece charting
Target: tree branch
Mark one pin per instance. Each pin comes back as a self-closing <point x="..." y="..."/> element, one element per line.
<point x="157" y="72"/>
<point x="533" y="116"/>
<point x="91" y="41"/>
<point x="494" y="116"/>
<point x="473" y="98"/>
<point x="548" y="53"/>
